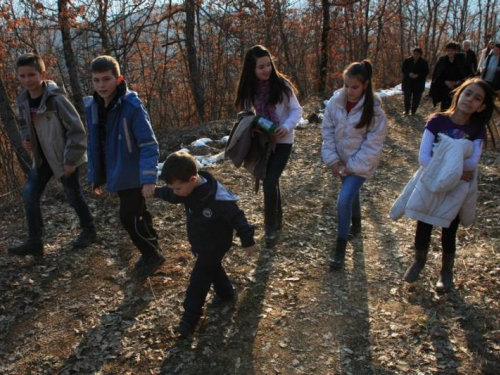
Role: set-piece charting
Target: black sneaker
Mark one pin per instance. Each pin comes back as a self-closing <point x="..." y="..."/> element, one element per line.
<point x="223" y="301"/>
<point x="86" y="238"/>
<point x="184" y="328"/>
<point x="149" y="266"/>
<point x="139" y="264"/>
<point x="34" y="246"/>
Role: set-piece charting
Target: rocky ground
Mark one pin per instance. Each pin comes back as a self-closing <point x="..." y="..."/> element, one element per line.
<point x="82" y="312"/>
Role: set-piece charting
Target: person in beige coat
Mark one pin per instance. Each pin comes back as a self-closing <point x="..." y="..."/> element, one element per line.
<point x="53" y="131"/>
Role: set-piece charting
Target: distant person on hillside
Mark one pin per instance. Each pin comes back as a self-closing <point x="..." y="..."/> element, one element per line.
<point x="123" y="155"/>
<point x="443" y="192"/>
<point x="491" y="71"/>
<point x="470" y="56"/>
<point x="263" y="89"/>
<point x="53" y="130"/>
<point x="212" y="216"/>
<point x="354" y="131"/>
<point x="415" y="71"/>
<point x="450" y="71"/>
<point x="484" y="54"/>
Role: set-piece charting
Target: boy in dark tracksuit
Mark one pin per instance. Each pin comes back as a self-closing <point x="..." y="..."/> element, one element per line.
<point x="212" y="214"/>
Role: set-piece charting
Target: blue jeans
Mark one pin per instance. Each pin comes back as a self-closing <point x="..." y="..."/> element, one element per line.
<point x="37" y="181"/>
<point x="348" y="204"/>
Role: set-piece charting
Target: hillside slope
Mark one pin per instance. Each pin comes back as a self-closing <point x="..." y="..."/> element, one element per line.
<point x="80" y="311"/>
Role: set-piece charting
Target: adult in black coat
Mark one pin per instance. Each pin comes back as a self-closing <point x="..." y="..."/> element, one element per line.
<point x="470" y="56"/>
<point x="449" y="73"/>
<point x="415" y="70"/>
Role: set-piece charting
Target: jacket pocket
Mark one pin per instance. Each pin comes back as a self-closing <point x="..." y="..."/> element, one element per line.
<point x="127" y="135"/>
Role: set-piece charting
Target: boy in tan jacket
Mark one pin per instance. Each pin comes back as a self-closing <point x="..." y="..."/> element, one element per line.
<point x="53" y="131"/>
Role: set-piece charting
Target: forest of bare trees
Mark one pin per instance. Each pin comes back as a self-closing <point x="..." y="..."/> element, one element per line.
<point x="183" y="57"/>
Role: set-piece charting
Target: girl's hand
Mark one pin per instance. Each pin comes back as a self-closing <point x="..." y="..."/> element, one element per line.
<point x="281" y="132"/>
<point x="339" y="169"/>
<point x="467" y="176"/>
<point x="98" y="191"/>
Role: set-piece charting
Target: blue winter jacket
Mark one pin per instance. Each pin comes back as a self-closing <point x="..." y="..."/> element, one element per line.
<point x="131" y="147"/>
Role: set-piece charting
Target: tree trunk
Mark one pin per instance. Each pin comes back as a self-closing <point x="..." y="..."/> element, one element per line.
<point x="194" y="75"/>
<point x="323" y="62"/>
<point x="10" y="125"/>
<point x="69" y="56"/>
<point x="286" y="48"/>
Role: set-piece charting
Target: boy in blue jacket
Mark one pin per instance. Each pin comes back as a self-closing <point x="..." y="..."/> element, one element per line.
<point x="123" y="154"/>
<point x="212" y="215"/>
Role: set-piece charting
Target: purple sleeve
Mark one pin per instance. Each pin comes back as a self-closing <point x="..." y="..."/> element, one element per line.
<point x="434" y="125"/>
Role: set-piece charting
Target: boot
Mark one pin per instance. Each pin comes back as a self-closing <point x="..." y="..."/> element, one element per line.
<point x="147" y="266"/>
<point x="338" y="260"/>
<point x="445" y="281"/>
<point x="355" y="229"/>
<point x="270" y="221"/>
<point x="86" y="238"/>
<point x="279" y="219"/>
<point x="271" y="237"/>
<point x="34" y="246"/>
<point x="412" y="273"/>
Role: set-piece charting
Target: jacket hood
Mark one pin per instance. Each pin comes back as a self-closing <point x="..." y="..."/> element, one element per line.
<point x="340" y="100"/>
<point x="50" y="89"/>
<point x="124" y="94"/>
<point x="216" y="191"/>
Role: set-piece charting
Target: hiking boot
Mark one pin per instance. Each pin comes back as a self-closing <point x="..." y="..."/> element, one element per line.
<point x="338" y="260"/>
<point x="34" y="246"/>
<point x="445" y="282"/>
<point x="184" y="328"/>
<point x="413" y="272"/>
<point x="86" y="238"/>
<point x="355" y="229"/>
<point x="149" y="265"/>
<point x="271" y="237"/>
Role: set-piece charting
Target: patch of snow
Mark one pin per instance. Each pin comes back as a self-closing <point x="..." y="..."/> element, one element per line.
<point x="201" y="142"/>
<point x="210" y="159"/>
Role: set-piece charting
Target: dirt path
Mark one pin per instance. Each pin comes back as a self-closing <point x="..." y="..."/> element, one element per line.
<point x="80" y="312"/>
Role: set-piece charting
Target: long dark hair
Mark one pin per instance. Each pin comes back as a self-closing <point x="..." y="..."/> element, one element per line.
<point x="362" y="71"/>
<point x="482" y="118"/>
<point x="247" y="86"/>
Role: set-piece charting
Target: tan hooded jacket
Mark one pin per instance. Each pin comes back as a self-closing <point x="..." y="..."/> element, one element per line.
<point x="57" y="129"/>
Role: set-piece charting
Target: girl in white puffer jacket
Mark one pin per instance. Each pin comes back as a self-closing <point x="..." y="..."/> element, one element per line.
<point x="354" y="131"/>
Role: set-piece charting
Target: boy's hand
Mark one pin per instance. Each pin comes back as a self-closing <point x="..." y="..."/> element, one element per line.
<point x="28" y="146"/>
<point x="250" y="249"/>
<point x="98" y="191"/>
<point x="148" y="191"/>
<point x="69" y="170"/>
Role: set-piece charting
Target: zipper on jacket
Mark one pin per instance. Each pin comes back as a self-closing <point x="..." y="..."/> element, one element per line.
<point x="127" y="135"/>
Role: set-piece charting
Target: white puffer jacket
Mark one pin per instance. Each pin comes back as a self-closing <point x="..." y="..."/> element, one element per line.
<point x="359" y="149"/>
<point x="436" y="194"/>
